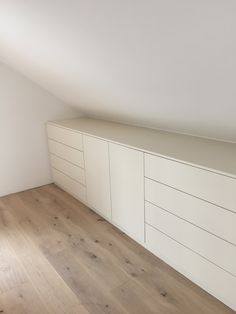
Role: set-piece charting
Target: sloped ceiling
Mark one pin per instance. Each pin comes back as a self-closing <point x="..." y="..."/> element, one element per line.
<point x="161" y="63"/>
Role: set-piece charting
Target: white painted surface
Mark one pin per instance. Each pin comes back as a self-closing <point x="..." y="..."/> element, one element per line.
<point x="68" y="153"/>
<point x="73" y="171"/>
<point x="213" y="279"/>
<point x="97" y="175"/>
<point x="216" y="250"/>
<point x="212" y="218"/>
<point x="127" y="190"/>
<point x="202" y="256"/>
<point x="73" y="139"/>
<point x="69" y="185"/>
<point x="24" y="109"/>
<point x="214" y="155"/>
<point x="160" y="63"/>
<point x="212" y="187"/>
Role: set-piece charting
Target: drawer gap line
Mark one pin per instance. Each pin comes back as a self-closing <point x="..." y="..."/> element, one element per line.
<point x="169" y="212"/>
<point x="202" y="199"/>
<point x="192" y="250"/>
<point x="52" y="139"/>
<point x="69" y="176"/>
<point x="66" y="160"/>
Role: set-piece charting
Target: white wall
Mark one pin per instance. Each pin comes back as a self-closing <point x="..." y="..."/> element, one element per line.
<point x="162" y="63"/>
<point x="24" y="109"/>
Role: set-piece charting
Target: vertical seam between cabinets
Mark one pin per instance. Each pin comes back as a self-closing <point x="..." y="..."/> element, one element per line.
<point x="85" y="179"/>
<point x="50" y="163"/>
<point x="144" y="212"/>
<point x="109" y="159"/>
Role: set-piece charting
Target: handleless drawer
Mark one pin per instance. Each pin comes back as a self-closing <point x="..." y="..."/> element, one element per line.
<point x="200" y="241"/>
<point x="70" y="154"/>
<point x="67" y="168"/>
<point x="207" y="275"/>
<point x="67" y="137"/>
<point x="203" y="214"/>
<point x="212" y="187"/>
<point x="69" y="185"/>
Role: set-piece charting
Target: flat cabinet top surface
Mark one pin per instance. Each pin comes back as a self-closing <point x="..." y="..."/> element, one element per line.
<point x="213" y="155"/>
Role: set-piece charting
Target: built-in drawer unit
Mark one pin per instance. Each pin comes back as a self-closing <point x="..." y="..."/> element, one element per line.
<point x="174" y="194"/>
<point x="205" y="215"/>
<point x="200" y="241"/>
<point x="206" y="274"/>
<point x="212" y="187"/>
<point x="69" y="185"/>
<point x="67" y="137"/>
<point x="72" y="155"/>
<point x="71" y="170"/>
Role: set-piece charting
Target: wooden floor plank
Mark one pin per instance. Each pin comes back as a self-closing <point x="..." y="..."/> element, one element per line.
<point x="135" y="299"/>
<point x="138" y="263"/>
<point x="22" y="299"/>
<point x="93" y="294"/>
<point x="51" y="288"/>
<point x="64" y="258"/>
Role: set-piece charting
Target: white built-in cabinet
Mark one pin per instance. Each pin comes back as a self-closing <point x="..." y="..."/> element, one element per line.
<point x="174" y="194"/>
<point x="114" y="181"/>
<point x="96" y="157"/>
<point x="127" y="190"/>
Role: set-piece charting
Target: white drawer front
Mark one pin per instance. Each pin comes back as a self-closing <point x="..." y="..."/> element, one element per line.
<point x="70" y="154"/>
<point x="215" y="188"/>
<point x="207" y="245"/>
<point x="207" y="275"/>
<point x="69" y="185"/>
<point x="203" y="214"/>
<point x="70" y="138"/>
<point x="67" y="168"/>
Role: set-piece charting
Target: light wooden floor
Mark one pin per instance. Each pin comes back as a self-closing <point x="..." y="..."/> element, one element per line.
<point x="57" y="256"/>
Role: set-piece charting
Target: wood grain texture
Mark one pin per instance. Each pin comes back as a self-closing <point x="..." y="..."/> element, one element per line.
<point x="58" y="256"/>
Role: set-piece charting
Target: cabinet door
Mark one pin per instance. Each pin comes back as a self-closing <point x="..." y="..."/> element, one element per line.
<point x="127" y="190"/>
<point x="96" y="159"/>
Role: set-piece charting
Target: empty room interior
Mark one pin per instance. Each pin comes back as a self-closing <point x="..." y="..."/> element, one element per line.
<point x="117" y="157"/>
